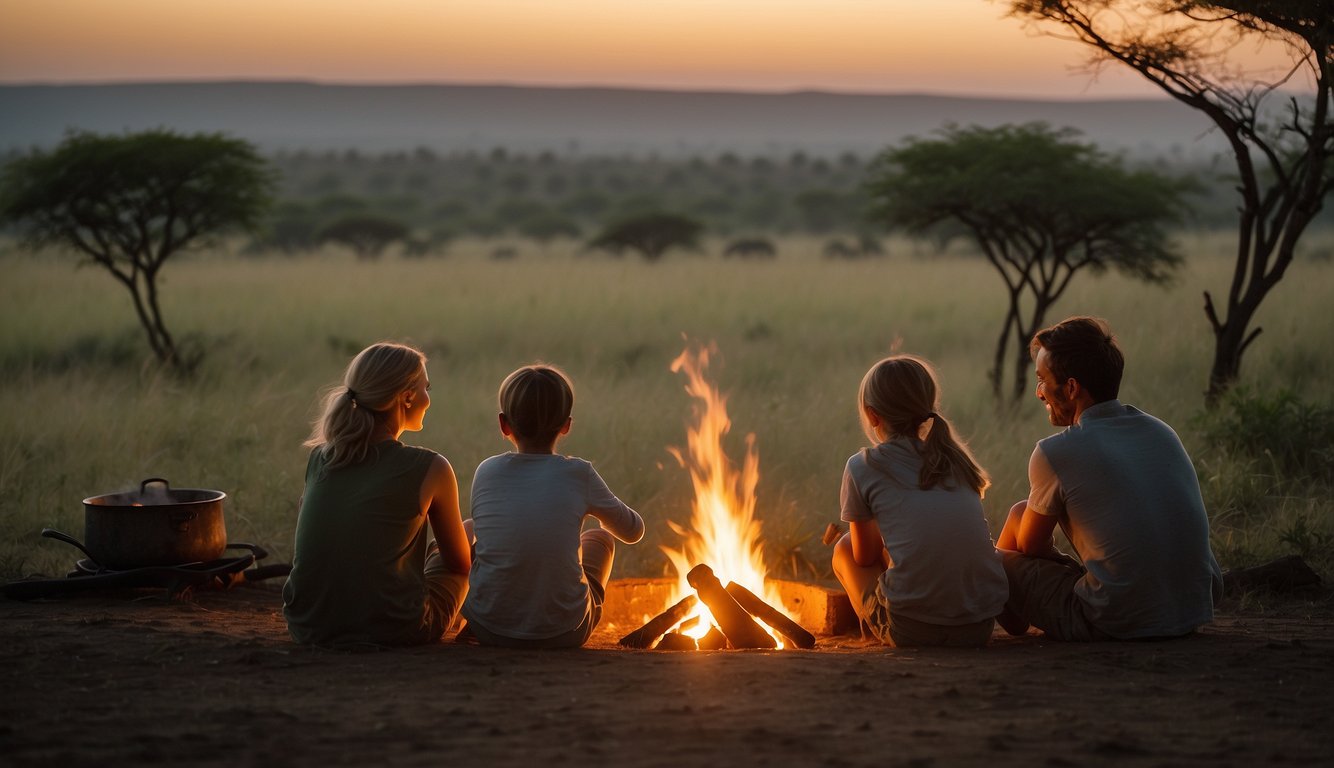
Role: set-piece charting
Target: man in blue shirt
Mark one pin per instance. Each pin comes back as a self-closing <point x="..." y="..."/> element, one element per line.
<point x="1120" y="485"/>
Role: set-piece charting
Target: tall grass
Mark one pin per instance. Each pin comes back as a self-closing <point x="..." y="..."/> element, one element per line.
<point x="85" y="412"/>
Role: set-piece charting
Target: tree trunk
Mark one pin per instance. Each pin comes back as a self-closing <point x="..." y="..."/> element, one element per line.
<point x="166" y="346"/>
<point x="1226" y="367"/>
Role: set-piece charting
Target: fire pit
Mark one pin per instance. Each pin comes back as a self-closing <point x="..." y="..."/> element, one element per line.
<point x="721" y="589"/>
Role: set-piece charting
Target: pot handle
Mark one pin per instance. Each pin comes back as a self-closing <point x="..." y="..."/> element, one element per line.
<point x="143" y="487"/>
<point x="52" y="533"/>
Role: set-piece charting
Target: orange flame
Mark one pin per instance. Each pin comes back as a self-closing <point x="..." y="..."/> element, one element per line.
<point x="723" y="531"/>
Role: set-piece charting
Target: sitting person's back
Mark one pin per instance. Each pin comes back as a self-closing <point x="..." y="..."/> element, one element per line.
<point x="1120" y="485"/>
<point x="364" y="570"/>
<point x="1134" y="513"/>
<point x="917" y="561"/>
<point x="537" y="581"/>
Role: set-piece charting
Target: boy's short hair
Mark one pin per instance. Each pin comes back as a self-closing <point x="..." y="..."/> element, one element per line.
<point x="537" y="400"/>
<point x="1083" y="349"/>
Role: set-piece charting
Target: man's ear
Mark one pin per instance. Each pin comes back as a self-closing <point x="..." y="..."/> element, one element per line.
<point x="1073" y="389"/>
<point x="505" y="428"/>
<point x="565" y="430"/>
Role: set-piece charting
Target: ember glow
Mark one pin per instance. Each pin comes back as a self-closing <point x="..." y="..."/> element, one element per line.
<point x="723" y="532"/>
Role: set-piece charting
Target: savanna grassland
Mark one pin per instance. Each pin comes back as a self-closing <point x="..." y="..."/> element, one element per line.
<point x="85" y="412"/>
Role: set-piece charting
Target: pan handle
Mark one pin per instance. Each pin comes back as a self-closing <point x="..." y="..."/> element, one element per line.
<point x="143" y="486"/>
<point x="259" y="552"/>
<point x="52" y="533"/>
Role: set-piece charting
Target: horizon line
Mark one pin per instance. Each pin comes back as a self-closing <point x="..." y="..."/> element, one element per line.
<point x="656" y="89"/>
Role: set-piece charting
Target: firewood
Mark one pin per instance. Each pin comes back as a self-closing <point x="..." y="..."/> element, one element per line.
<point x="675" y="641"/>
<point x="653" y="629"/>
<point x="715" y="640"/>
<point x="832" y="533"/>
<point x="1282" y="575"/>
<point x="766" y="613"/>
<point x="735" y="622"/>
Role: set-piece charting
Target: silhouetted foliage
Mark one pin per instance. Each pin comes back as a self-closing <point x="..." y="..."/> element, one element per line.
<point x="474" y="192"/>
<point x="367" y="234"/>
<point x="290" y="228"/>
<point x="545" y="227"/>
<point x="1284" y="168"/>
<point x="651" y="234"/>
<point x="865" y="247"/>
<point x="131" y="202"/>
<point x="1041" y="205"/>
<point x="751" y="248"/>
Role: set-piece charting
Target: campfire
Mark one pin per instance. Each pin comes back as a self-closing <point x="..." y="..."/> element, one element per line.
<point x="722" y="597"/>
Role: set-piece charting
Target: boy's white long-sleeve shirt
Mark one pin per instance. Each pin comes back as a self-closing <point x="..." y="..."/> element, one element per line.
<point x="528" y="511"/>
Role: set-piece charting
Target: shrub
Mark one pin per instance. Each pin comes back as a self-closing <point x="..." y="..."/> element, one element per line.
<point x="1296" y="438"/>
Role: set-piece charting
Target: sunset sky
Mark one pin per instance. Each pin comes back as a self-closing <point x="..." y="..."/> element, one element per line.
<point x="965" y="47"/>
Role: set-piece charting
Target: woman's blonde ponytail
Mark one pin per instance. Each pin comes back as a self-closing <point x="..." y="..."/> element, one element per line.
<point x="350" y="412"/>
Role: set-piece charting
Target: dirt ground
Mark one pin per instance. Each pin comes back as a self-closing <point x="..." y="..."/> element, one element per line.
<point x="212" y="679"/>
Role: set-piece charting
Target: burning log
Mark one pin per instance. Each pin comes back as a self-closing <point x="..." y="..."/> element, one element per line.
<point x="675" y="641"/>
<point x="651" y="631"/>
<point x="772" y="616"/>
<point x="736" y="623"/>
<point x="715" y="640"/>
<point x="832" y="533"/>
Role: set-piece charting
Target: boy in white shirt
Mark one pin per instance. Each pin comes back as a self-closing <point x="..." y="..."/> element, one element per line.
<point x="536" y="580"/>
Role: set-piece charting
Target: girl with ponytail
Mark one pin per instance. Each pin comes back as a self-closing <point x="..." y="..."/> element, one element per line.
<point x="364" y="569"/>
<point x="918" y="561"/>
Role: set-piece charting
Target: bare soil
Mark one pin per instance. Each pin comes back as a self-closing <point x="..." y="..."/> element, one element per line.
<point x="212" y="679"/>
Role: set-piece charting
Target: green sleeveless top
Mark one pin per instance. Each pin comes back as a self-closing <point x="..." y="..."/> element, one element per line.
<point x="361" y="537"/>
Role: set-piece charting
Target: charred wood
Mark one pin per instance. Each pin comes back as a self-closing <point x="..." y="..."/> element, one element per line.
<point x="715" y="640"/>
<point x="735" y="622"/>
<point x="675" y="641"/>
<point x="772" y="616"/>
<point x="1282" y="575"/>
<point x="645" y="636"/>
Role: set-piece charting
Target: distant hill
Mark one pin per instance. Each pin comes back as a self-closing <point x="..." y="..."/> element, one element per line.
<point x="289" y="116"/>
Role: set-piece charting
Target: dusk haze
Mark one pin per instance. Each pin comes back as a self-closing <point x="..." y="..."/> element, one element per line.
<point x="954" y="47"/>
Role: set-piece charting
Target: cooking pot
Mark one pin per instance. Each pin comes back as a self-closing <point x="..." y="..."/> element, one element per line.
<point x="156" y="525"/>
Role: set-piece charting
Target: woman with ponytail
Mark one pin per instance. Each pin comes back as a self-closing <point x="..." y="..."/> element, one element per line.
<point x="918" y="561"/>
<point x="364" y="569"/>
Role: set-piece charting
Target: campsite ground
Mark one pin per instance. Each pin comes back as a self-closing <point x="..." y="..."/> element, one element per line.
<point x="212" y="679"/>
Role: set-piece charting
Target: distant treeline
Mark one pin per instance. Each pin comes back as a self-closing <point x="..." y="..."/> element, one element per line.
<point x="545" y="195"/>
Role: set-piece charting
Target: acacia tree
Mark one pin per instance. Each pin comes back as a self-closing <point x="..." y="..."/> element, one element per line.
<point x="649" y="233"/>
<point x="1041" y="205"/>
<point x="1283" y="163"/>
<point x="131" y="202"/>
<point x="367" y="234"/>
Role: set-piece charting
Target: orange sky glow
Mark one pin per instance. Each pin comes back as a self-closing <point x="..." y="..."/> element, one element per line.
<point x="963" y="47"/>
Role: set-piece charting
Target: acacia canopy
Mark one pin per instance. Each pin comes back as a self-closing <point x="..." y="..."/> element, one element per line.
<point x="651" y="234"/>
<point x="1282" y="152"/>
<point x="367" y="234"/>
<point x="1040" y="204"/>
<point x="131" y="202"/>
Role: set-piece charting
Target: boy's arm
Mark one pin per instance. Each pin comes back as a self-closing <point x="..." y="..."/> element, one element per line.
<point x="615" y="515"/>
<point x="623" y="523"/>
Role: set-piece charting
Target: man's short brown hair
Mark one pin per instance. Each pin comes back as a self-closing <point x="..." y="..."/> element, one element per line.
<point x="1083" y="349"/>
